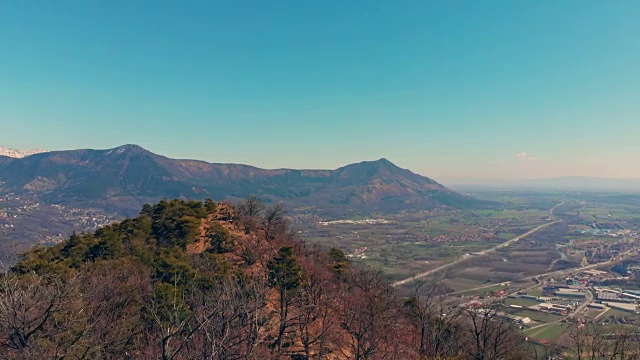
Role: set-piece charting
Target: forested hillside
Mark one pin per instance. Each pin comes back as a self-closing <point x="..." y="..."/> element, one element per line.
<point x="207" y="280"/>
<point x="44" y="197"/>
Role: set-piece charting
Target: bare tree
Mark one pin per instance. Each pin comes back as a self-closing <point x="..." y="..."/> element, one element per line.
<point x="576" y="340"/>
<point x="489" y="336"/>
<point x="592" y="341"/>
<point x="316" y="321"/>
<point x="286" y="276"/>
<point x="230" y="318"/>
<point x="369" y="315"/>
<point x="249" y="213"/>
<point x="274" y="222"/>
<point x="41" y="316"/>
<point x="171" y="317"/>
<point x="436" y="321"/>
<point x="624" y="344"/>
<point x="112" y="295"/>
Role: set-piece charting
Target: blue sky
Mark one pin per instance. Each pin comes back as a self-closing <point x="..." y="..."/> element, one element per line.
<point x="449" y="89"/>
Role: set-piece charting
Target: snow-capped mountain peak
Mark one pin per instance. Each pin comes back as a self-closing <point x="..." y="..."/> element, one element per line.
<point x="16" y="153"/>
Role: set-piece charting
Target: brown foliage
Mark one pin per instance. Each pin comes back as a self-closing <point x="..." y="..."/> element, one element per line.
<point x="256" y="292"/>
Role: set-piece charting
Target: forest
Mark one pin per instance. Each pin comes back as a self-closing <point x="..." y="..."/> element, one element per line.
<point x="209" y="280"/>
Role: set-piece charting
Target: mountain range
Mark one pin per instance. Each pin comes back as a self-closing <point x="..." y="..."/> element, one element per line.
<point x="15" y="153"/>
<point x="123" y="178"/>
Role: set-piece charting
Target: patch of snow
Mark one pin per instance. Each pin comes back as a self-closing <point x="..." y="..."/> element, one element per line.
<point x="17" y="154"/>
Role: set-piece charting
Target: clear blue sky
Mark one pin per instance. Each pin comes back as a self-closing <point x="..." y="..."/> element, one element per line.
<point x="449" y="89"/>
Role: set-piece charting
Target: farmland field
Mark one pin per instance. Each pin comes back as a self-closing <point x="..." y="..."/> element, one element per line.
<point x="520" y="302"/>
<point x="548" y="332"/>
<point x="410" y="243"/>
<point x="538" y="316"/>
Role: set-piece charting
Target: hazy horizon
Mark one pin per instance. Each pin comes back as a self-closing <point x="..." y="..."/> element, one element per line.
<point x="448" y="181"/>
<point x="462" y="90"/>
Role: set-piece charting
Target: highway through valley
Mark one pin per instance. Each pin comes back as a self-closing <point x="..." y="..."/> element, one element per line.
<point x="479" y="253"/>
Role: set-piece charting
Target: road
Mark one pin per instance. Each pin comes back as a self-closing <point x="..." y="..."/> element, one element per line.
<point x="588" y="299"/>
<point x="509" y="242"/>
<point x="554" y="208"/>
<point x="589" y="296"/>
<point x="466" y="256"/>
<point x="537" y="277"/>
<point x="622" y="257"/>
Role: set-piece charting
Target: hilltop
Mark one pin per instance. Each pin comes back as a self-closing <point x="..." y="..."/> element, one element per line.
<point x="46" y="196"/>
<point x="124" y="178"/>
<point x="187" y="280"/>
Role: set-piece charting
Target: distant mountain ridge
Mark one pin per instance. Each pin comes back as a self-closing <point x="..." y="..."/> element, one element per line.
<point x="125" y="177"/>
<point x="566" y="183"/>
<point x="5" y="159"/>
<point x="17" y="153"/>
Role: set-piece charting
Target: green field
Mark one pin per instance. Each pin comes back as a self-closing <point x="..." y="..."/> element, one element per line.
<point x="483" y="291"/>
<point x="593" y="313"/>
<point x="548" y="332"/>
<point x="618" y="314"/>
<point x="413" y="242"/>
<point x="461" y="284"/>
<point x="538" y="316"/>
<point x="535" y="291"/>
<point x="506" y="235"/>
<point x="520" y="302"/>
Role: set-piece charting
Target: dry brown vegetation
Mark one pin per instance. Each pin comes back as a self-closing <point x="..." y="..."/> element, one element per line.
<point x="193" y="280"/>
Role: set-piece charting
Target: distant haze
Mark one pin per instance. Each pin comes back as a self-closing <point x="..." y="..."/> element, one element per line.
<point x="575" y="183"/>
